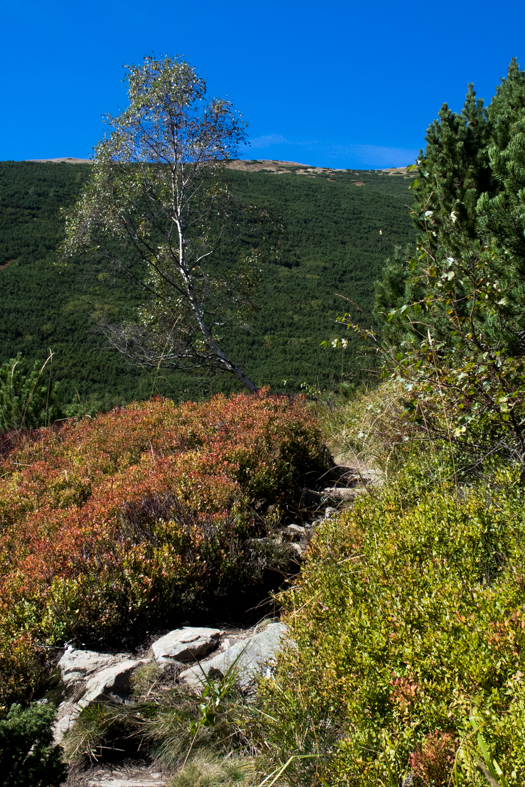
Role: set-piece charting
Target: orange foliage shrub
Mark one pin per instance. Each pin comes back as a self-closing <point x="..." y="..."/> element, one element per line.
<point x="146" y="513"/>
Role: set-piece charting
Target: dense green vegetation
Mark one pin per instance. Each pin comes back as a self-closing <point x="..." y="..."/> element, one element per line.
<point x="456" y="308"/>
<point x="27" y="754"/>
<point x="332" y="245"/>
<point x="408" y="617"/>
<point x="409" y="623"/>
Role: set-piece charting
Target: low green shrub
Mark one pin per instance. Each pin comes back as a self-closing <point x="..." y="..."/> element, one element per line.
<point x="409" y="624"/>
<point x="27" y="755"/>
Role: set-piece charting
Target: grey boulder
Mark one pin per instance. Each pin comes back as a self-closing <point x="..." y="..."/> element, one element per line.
<point x="247" y="657"/>
<point x="294" y="533"/>
<point x="186" y="644"/>
<point x="343" y="492"/>
<point x="112" y="680"/>
<point x="90" y="676"/>
<point x="79" y="665"/>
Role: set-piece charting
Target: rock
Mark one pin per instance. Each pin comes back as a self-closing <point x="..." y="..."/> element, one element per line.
<point x="94" y="674"/>
<point x="137" y="781"/>
<point x="130" y="776"/>
<point x="186" y="644"/>
<point x="296" y="538"/>
<point x="112" y="680"/>
<point x="330" y="512"/>
<point x="294" y="533"/>
<point x="78" y="665"/>
<point x="66" y="716"/>
<point x="248" y="657"/>
<point x="90" y="676"/>
<point x="343" y="492"/>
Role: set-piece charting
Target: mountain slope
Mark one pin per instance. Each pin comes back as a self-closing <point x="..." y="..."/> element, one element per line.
<point x="340" y="227"/>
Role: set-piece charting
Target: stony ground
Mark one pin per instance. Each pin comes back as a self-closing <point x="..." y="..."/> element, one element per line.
<point x="186" y="654"/>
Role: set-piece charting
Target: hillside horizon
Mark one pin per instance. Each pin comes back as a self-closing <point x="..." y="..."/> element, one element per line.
<point x="248" y="165"/>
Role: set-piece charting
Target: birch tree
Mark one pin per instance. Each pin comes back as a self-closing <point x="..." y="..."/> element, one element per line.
<point x="156" y="203"/>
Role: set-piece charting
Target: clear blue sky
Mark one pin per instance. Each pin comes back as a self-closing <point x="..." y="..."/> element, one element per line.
<point x="334" y="83"/>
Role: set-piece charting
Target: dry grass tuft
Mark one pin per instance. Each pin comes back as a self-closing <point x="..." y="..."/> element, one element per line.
<point x="369" y="430"/>
<point x="208" y="770"/>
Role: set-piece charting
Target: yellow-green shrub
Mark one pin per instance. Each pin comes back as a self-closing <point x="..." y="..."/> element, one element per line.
<point x="409" y="619"/>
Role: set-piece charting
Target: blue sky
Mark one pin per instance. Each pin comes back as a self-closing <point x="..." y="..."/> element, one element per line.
<point x="333" y="83"/>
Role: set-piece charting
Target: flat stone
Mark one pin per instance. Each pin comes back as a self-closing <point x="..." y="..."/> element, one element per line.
<point x="186" y="644"/>
<point x="127" y="777"/>
<point x="114" y="781"/>
<point x="247" y="657"/>
<point x="134" y="781"/>
<point x="77" y="665"/>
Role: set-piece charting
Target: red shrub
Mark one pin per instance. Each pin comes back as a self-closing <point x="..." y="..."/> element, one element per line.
<point x="432" y="763"/>
<point x="147" y="511"/>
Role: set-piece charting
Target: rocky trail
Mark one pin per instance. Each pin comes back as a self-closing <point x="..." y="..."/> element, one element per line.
<point x="191" y="655"/>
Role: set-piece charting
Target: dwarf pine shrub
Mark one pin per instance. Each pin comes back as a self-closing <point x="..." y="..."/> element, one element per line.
<point x="27" y="755"/>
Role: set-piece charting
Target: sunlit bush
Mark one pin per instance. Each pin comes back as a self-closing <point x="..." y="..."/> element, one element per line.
<point x="409" y="620"/>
